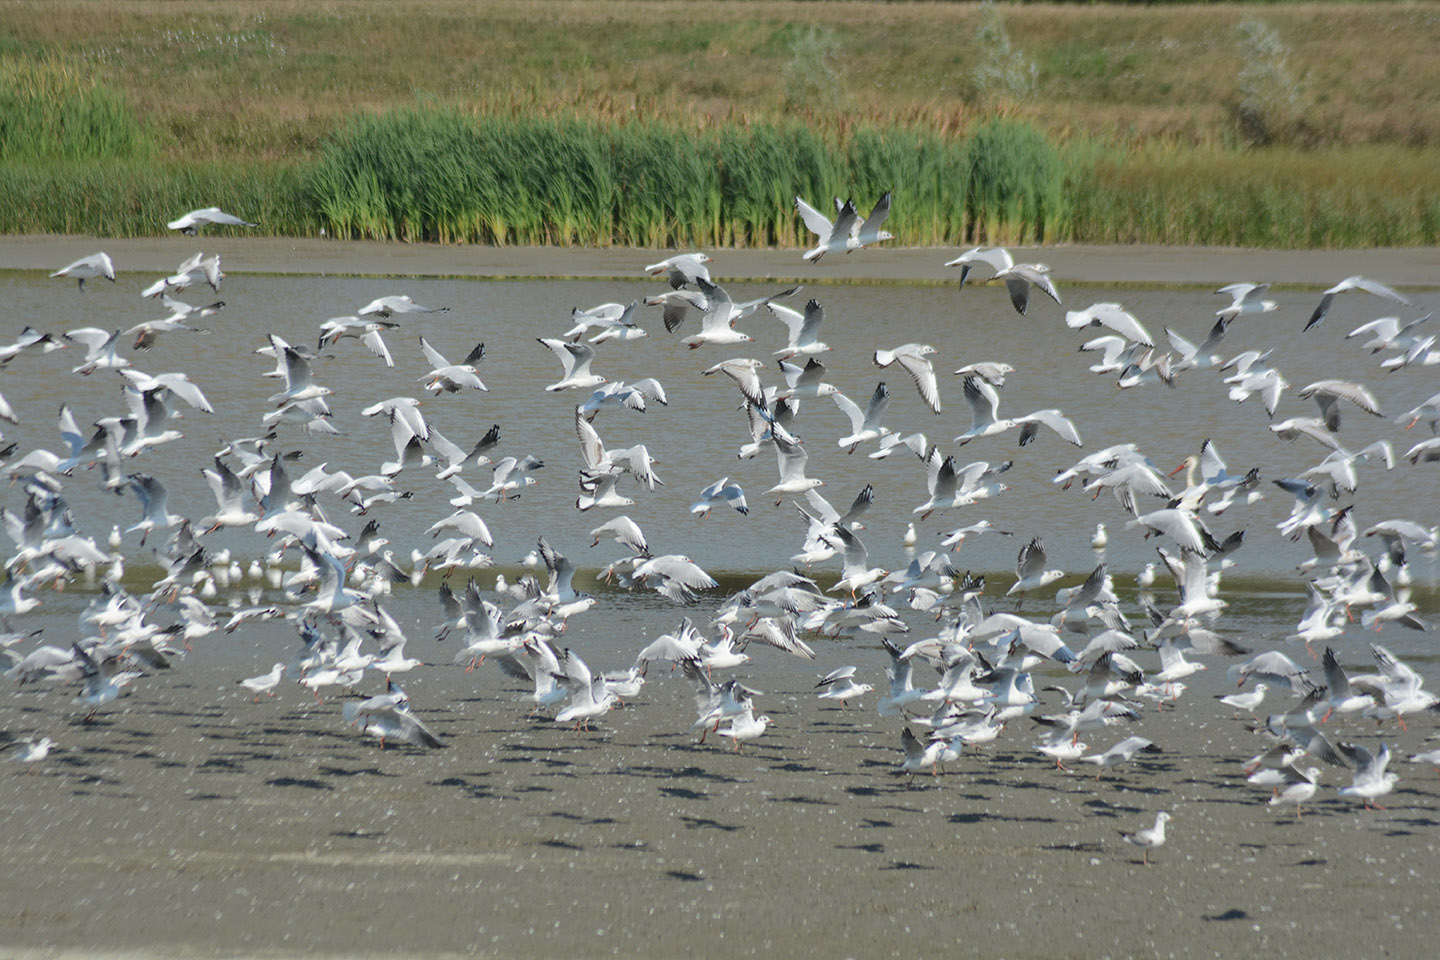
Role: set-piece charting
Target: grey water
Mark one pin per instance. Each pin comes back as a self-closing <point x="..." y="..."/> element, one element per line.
<point x="695" y="438"/>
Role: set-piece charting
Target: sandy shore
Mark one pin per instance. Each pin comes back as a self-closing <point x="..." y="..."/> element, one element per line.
<point x="1203" y="266"/>
<point x="186" y="820"/>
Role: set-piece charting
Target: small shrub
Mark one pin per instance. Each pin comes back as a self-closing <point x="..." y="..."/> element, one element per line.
<point x="811" y="75"/>
<point x="1003" y="71"/>
<point x="1273" y="101"/>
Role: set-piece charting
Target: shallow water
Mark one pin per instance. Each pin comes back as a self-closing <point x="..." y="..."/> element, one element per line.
<point x="695" y="438"/>
<point x="639" y="785"/>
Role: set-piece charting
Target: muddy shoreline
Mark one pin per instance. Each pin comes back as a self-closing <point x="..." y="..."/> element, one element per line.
<point x="187" y="820"/>
<point x="1143" y="265"/>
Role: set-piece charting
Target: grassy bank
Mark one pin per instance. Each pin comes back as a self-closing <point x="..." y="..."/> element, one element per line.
<point x="614" y="122"/>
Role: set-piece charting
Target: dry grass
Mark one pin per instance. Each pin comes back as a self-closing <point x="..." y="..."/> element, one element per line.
<point x="269" y="79"/>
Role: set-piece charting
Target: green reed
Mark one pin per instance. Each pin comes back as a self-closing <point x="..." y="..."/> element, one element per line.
<point x="441" y="174"/>
<point x="50" y="113"/>
<point x="433" y="173"/>
<point x="1277" y="197"/>
<point x="128" y="199"/>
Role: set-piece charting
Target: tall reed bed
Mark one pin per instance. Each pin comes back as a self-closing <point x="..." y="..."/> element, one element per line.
<point x="49" y="113"/>
<point x="128" y="199"/>
<point x="74" y="159"/>
<point x="433" y="173"/>
<point x="1277" y="197"/>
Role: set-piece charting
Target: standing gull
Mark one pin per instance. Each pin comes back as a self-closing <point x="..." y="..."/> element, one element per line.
<point x="1148" y="838"/>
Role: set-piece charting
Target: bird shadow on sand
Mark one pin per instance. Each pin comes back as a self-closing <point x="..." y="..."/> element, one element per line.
<point x="683" y="793"/>
<point x="559" y="845"/>
<point x="356" y="772"/>
<point x="580" y="818"/>
<point x="475" y="791"/>
<point x="705" y="823"/>
<point x="299" y="782"/>
<point x="863" y="791"/>
<point x="984" y="817"/>
<point x="691" y="773"/>
<point x="811" y="801"/>
<point x="1106" y="808"/>
<point x="1079" y="846"/>
<point x="862" y="847"/>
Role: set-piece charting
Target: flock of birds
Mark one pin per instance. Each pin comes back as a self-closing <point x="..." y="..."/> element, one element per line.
<point x="989" y="663"/>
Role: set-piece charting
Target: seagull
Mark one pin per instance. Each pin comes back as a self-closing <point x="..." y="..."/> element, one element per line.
<point x="387" y="307"/>
<point x="1296" y="786"/>
<point x="1351" y="283"/>
<point x="1327" y="394"/>
<point x="265" y="683"/>
<point x="745" y="372"/>
<point x="1249" y="701"/>
<point x="298" y="383"/>
<point x="589" y="695"/>
<point x="903" y="692"/>
<point x="184" y="275"/>
<point x="802" y="328"/>
<point x="576" y="359"/>
<point x="791" y="458"/>
<point x="1371" y="779"/>
<point x="721" y="491"/>
<point x="1245" y="299"/>
<point x="452" y="377"/>
<point x="1122" y="752"/>
<point x="682" y="269"/>
<point x="390" y="722"/>
<point x="745" y="726"/>
<point x="919" y="756"/>
<point x="1030" y="570"/>
<point x="840" y="685"/>
<point x="32" y="752"/>
<point x="1148" y="838"/>
<point x="714" y="703"/>
<point x="153" y="498"/>
<point x="88" y="268"/>
<point x="1062" y="749"/>
<point x="149" y="331"/>
<point x="848" y="232"/>
<point x="614" y="321"/>
<point x="985" y="405"/>
<point x="855" y="572"/>
<point x="195" y="219"/>
<point x="912" y="359"/>
<point x="100" y="346"/>
<point x="1339" y="696"/>
<point x="1018" y="277"/>
<point x="864" y="424"/>
<point x="1110" y="315"/>
<point x="717" y="325"/>
<point x="366" y="331"/>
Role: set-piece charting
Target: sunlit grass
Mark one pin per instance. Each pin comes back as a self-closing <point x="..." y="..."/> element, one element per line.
<point x="114" y="115"/>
